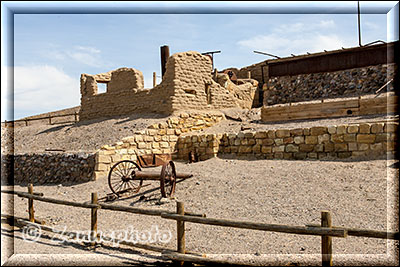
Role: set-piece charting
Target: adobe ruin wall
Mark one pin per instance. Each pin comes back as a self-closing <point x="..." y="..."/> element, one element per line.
<point x="187" y="84"/>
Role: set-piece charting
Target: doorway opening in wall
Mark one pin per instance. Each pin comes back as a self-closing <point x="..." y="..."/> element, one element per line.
<point x="101" y="88"/>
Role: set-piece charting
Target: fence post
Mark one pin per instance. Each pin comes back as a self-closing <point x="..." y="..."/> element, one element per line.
<point x="49" y="119"/>
<point x="326" y="221"/>
<point x="30" y="204"/>
<point x="154" y="80"/>
<point x="26" y="122"/>
<point x="76" y="116"/>
<point x="93" y="226"/>
<point x="180" y="227"/>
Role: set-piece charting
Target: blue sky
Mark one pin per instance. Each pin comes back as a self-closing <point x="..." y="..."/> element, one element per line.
<point x="52" y="50"/>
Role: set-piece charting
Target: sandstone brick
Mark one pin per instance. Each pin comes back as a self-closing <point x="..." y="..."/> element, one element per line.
<point x="306" y="147"/>
<point x="382" y="137"/>
<point x="337" y="138"/>
<point x="340" y="147"/>
<point x="268" y="142"/>
<point x="343" y="155"/>
<point x="287" y="155"/>
<point x="366" y="138"/>
<point x="351" y="129"/>
<point x="365" y="128"/>
<point x="306" y="131"/>
<point x="278" y="155"/>
<point x="377" y="128"/>
<point x="291" y="148"/>
<point x="138" y="138"/>
<point x="390" y="127"/>
<point x="341" y="129"/>
<point x="249" y="135"/>
<point x="116" y="158"/>
<point x="300" y="155"/>
<point x="244" y="142"/>
<point x="358" y="154"/>
<point x="288" y="140"/>
<point x="389" y="146"/>
<point x="278" y="141"/>
<point x="312" y="155"/>
<point x="362" y="147"/>
<point x="311" y="139"/>
<point x="282" y="133"/>
<point x="260" y="135"/>
<point x="103" y="158"/>
<point x="332" y="129"/>
<point x="319" y="148"/>
<point x="322" y="139"/>
<point x="245" y="149"/>
<point x="352" y="146"/>
<point x="142" y="145"/>
<point x="271" y="134"/>
<point x="318" y="130"/>
<point x="266" y="149"/>
<point x="278" y="149"/>
<point x="296" y="132"/>
<point x="173" y="138"/>
<point x="256" y="149"/>
<point x="329" y="147"/>
<point x="349" y="137"/>
<point x="101" y="167"/>
<point x="252" y="141"/>
<point x="148" y="138"/>
<point x="376" y="147"/>
<point x="298" y="139"/>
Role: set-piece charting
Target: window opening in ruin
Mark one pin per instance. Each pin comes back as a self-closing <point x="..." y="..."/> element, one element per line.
<point x="101" y="88"/>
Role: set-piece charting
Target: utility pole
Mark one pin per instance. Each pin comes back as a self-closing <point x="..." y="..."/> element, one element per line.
<point x="359" y="24"/>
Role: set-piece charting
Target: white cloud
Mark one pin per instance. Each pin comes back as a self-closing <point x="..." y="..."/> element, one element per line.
<point x="87" y="55"/>
<point x="297" y="38"/>
<point x="43" y="88"/>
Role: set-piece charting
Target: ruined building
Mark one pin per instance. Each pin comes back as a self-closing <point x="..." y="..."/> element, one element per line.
<point x="188" y="84"/>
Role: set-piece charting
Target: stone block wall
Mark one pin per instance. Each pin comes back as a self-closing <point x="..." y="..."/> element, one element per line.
<point x="357" y="141"/>
<point x="305" y="87"/>
<point x="187" y="85"/>
<point x="48" y="168"/>
<point x="159" y="138"/>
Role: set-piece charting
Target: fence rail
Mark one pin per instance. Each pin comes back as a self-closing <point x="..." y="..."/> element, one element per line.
<point x="325" y="230"/>
<point x="48" y="117"/>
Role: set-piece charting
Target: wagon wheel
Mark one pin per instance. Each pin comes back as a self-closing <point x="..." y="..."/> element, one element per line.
<point x="122" y="177"/>
<point x="168" y="179"/>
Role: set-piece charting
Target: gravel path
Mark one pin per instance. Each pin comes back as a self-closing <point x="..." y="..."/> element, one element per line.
<point x="358" y="193"/>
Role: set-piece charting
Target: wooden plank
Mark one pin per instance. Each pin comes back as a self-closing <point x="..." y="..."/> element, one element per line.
<point x="196" y="259"/>
<point x="365" y="232"/>
<point x="257" y="226"/>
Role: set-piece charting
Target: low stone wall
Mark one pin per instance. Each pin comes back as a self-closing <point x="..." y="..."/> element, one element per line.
<point x="159" y="138"/>
<point x="357" y="141"/>
<point x="49" y="168"/>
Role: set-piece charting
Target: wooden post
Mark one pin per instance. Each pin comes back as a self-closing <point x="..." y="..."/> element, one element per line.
<point x="26" y="122"/>
<point x="76" y="116"/>
<point x="249" y="75"/>
<point x="164" y="59"/>
<point x="326" y="221"/>
<point x="154" y="80"/>
<point x="30" y="204"/>
<point x="93" y="226"/>
<point x="49" y="119"/>
<point x="180" y="227"/>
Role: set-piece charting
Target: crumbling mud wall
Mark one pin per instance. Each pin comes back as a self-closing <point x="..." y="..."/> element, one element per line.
<point x="187" y="84"/>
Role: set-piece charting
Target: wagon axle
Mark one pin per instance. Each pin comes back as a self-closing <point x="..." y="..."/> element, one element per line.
<point x="127" y="175"/>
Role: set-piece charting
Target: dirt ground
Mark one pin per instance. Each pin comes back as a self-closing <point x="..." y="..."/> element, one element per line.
<point x="359" y="194"/>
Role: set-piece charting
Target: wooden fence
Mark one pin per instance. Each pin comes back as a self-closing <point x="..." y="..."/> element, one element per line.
<point x="330" y="109"/>
<point x="325" y="230"/>
<point x="47" y="118"/>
